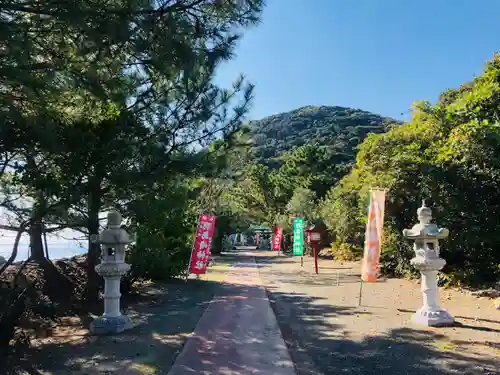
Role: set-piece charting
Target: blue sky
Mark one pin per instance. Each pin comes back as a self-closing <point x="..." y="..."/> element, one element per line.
<point x="376" y="55"/>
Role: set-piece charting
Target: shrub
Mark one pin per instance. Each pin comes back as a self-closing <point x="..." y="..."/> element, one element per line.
<point x="157" y="257"/>
<point x="345" y="252"/>
<point x="164" y="222"/>
<point x="395" y="256"/>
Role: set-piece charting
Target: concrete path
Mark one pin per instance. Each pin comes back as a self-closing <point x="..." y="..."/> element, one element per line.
<point x="238" y="333"/>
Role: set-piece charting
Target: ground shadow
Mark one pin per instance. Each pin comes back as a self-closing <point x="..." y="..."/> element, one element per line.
<point x="316" y="345"/>
<point x="319" y="344"/>
<point x="163" y="319"/>
<point x="304" y="277"/>
<point x="478" y="319"/>
<point x="465" y="318"/>
<point x="326" y="277"/>
<point x="163" y="323"/>
<point x="334" y="268"/>
<point x="238" y="335"/>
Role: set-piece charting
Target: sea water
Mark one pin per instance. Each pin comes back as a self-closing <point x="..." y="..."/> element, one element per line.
<point x="66" y="244"/>
<point x="56" y="251"/>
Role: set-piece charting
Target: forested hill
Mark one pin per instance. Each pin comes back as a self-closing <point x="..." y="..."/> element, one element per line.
<point x="339" y="128"/>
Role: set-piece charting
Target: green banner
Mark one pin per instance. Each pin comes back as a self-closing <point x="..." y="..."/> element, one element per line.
<point x="298" y="237"/>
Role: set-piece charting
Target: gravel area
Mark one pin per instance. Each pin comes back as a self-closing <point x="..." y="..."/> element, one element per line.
<point x="328" y="333"/>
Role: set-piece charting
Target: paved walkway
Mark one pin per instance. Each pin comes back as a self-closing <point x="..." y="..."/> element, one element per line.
<point x="238" y="333"/>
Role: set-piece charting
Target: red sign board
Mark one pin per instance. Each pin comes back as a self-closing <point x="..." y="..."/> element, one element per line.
<point x="277" y="239"/>
<point x="202" y="244"/>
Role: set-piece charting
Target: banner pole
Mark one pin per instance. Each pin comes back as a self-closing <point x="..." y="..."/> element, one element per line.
<point x="360" y="291"/>
<point x="190" y="257"/>
<point x="315" y="250"/>
<point x="363" y="264"/>
<point x="281" y="244"/>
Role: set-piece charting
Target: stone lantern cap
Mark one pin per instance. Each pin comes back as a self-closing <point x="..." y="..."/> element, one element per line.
<point x="113" y="234"/>
<point x="425" y="229"/>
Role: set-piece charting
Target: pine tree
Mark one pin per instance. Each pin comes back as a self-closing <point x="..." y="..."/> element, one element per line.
<point x="99" y="98"/>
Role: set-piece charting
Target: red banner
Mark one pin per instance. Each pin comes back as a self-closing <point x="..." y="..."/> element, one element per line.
<point x="277" y="239"/>
<point x="202" y="244"/>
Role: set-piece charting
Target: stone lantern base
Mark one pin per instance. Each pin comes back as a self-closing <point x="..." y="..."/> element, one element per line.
<point x="432" y="317"/>
<point x="108" y="326"/>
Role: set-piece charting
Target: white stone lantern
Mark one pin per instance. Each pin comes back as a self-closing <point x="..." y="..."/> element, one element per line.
<point x="426" y="236"/>
<point x="113" y="240"/>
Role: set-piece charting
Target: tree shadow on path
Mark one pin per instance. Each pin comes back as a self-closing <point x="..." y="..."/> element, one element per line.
<point x="163" y="320"/>
<point x="313" y="331"/>
<point x="320" y="347"/>
<point x="320" y="344"/>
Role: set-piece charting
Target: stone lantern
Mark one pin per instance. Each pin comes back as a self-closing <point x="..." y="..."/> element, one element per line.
<point x="426" y="236"/>
<point x="113" y="240"/>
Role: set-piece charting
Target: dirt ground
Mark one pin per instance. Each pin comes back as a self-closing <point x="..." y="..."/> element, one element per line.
<point x="328" y="333"/>
<point x="164" y="316"/>
<point x="325" y="330"/>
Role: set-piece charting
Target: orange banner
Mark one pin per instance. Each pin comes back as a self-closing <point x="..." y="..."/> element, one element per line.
<point x="373" y="236"/>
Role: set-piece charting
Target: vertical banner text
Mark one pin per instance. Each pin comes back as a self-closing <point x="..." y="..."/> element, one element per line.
<point x="277" y="239"/>
<point x="202" y="244"/>
<point x="298" y="236"/>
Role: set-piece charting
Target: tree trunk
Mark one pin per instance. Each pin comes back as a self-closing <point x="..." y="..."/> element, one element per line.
<point x="94" y="206"/>
<point x="36" y="230"/>
<point x="36" y="245"/>
<point x="13" y="255"/>
<point x="217" y="242"/>
<point x="57" y="286"/>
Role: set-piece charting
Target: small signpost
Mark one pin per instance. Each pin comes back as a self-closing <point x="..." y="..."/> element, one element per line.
<point x="314" y="239"/>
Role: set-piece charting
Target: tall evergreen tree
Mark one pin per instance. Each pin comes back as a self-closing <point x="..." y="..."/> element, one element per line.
<point x="100" y="98"/>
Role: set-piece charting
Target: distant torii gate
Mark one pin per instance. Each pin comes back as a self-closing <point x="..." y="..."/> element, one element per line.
<point x="261" y="238"/>
<point x="239" y="239"/>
